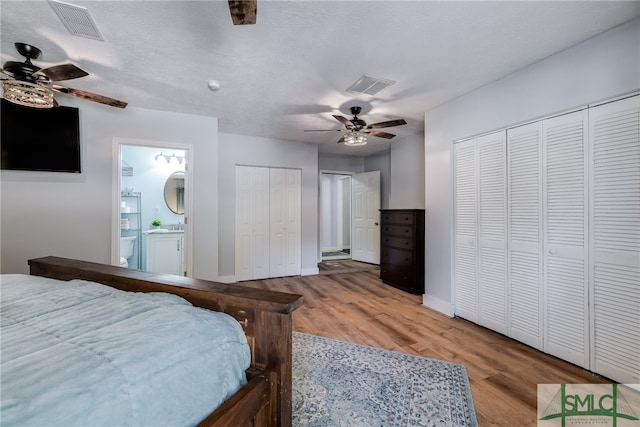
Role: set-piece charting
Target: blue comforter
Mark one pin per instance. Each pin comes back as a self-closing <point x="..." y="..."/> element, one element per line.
<point x="83" y="354"/>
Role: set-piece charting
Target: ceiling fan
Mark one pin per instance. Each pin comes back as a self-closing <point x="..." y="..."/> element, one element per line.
<point x="243" y="12"/>
<point x="356" y="129"/>
<point x="33" y="86"/>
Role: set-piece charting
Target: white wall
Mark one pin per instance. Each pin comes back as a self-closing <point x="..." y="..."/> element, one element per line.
<point x="69" y="215"/>
<point x="407" y="173"/>
<point x="604" y="66"/>
<point x="256" y="151"/>
<point x="338" y="163"/>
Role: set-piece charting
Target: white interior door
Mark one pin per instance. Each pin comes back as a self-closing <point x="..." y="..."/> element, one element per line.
<point x="525" y="233"/>
<point x="566" y="326"/>
<point x="466" y="229"/>
<point x="285" y="206"/>
<point x="492" y="219"/>
<point x="615" y="239"/>
<point x="365" y="233"/>
<point x="252" y="223"/>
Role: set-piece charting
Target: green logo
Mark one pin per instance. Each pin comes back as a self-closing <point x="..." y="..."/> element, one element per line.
<point x="609" y="405"/>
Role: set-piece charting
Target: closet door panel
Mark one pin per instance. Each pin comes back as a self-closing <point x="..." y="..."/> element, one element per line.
<point x="465" y="201"/>
<point x="492" y="231"/>
<point x="524" y="150"/>
<point x="244" y="234"/>
<point x="252" y="223"/>
<point x="278" y="238"/>
<point x="566" y="330"/>
<point x="615" y="239"/>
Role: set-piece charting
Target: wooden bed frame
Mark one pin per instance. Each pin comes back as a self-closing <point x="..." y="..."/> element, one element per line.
<point x="264" y="315"/>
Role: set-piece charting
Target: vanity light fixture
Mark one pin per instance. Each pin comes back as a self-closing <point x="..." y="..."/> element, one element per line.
<point x="168" y="157"/>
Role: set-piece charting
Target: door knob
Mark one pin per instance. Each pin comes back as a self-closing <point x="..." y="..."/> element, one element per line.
<point x="375" y="223"/>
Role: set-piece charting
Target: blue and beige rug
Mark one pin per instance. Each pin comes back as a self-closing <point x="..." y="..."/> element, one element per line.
<point x="336" y="383"/>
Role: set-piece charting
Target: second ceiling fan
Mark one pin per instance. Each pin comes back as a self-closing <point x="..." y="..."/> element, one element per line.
<point x="357" y="129"/>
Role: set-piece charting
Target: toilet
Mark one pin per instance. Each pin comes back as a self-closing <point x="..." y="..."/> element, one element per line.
<point x="126" y="250"/>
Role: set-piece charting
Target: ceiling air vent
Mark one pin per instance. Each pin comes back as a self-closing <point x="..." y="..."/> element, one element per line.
<point x="369" y="85"/>
<point x="76" y="19"/>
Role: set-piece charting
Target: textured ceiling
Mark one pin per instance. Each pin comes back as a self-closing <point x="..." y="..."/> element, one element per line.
<point x="289" y="72"/>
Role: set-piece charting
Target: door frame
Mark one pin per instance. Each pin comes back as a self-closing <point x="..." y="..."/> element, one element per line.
<point x="116" y="184"/>
<point x="330" y="172"/>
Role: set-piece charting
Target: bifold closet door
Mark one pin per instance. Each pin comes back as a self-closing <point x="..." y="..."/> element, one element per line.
<point x="285" y="207"/>
<point x="492" y="230"/>
<point x="252" y="223"/>
<point x="465" y="206"/>
<point x="615" y="239"/>
<point x="566" y="323"/>
<point x="524" y="149"/>
<point x="480" y="223"/>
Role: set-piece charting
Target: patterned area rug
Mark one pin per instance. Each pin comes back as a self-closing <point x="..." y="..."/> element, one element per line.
<point x="336" y="383"/>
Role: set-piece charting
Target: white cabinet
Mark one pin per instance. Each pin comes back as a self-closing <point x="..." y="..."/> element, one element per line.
<point x="165" y="253"/>
<point x="268" y="222"/>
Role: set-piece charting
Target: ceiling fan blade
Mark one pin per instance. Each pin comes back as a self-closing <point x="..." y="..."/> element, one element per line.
<point x="243" y="11"/>
<point x="381" y="134"/>
<point x="62" y="72"/>
<point x="89" y="96"/>
<point x="387" y="124"/>
<point x="323" y="130"/>
<point x="343" y="120"/>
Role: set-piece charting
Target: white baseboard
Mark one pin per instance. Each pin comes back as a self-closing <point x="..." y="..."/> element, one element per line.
<point x="227" y="279"/>
<point x="309" y="271"/>
<point x="437" y="304"/>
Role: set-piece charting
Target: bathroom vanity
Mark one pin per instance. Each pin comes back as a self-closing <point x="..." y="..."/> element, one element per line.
<point x="165" y="251"/>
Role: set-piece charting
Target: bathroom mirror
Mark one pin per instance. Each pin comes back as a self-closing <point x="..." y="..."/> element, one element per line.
<point x="174" y="192"/>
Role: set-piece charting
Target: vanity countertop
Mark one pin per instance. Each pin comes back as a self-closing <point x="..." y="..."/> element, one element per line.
<point x="163" y="231"/>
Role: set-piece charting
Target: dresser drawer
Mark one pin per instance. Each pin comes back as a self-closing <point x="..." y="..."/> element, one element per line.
<point x="397" y="242"/>
<point x="397" y="257"/>
<point x="398" y="218"/>
<point x="397" y="230"/>
<point x="402" y="279"/>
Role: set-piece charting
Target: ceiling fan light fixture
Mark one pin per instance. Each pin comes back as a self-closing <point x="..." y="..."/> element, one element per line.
<point x="27" y="94"/>
<point x="355" y="139"/>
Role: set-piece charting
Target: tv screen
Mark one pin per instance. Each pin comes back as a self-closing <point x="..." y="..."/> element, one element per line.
<point x="40" y="139"/>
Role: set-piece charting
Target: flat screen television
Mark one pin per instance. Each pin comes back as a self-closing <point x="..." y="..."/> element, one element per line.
<point x="39" y="139"/>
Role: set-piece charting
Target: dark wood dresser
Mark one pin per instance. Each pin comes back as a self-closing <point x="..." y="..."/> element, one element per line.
<point x="402" y="249"/>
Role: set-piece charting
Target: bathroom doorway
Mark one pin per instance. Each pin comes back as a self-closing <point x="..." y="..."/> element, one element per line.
<point x="152" y="202"/>
<point x="335" y="215"/>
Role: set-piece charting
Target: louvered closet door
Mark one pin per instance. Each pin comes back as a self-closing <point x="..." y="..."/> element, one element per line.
<point x="566" y="329"/>
<point x="524" y="149"/>
<point x="615" y="239"/>
<point x="465" y="205"/>
<point x="492" y="231"/>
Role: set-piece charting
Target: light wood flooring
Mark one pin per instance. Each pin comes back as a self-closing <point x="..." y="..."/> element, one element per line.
<point x="359" y="308"/>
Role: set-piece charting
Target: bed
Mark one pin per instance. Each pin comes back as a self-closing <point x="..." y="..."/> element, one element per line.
<point x="262" y="334"/>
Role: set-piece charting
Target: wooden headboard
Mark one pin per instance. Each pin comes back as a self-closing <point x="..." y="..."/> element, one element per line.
<point x="264" y="315"/>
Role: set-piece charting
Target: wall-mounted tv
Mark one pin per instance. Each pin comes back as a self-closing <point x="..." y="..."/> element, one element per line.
<point x="39" y="139"/>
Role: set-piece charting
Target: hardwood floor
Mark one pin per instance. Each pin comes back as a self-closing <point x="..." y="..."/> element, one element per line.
<point x="359" y="308"/>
